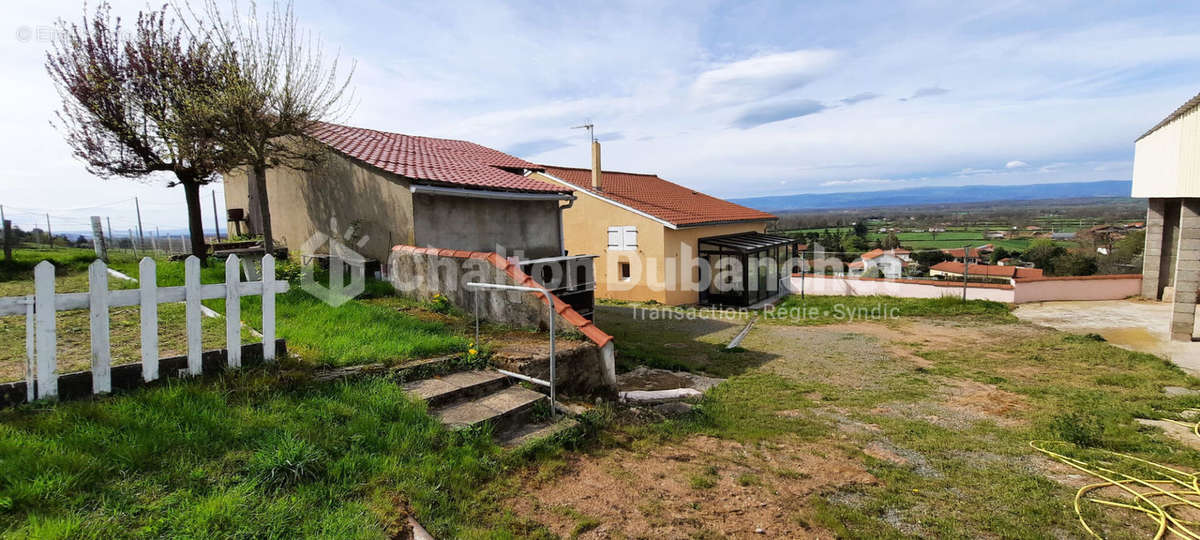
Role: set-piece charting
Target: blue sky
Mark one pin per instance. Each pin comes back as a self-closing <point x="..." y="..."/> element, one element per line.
<point x="736" y="99"/>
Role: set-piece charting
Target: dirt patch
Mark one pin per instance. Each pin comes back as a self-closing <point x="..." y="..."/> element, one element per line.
<point x="644" y="378"/>
<point x="901" y="338"/>
<point x="701" y="486"/>
<point x="985" y="399"/>
<point x="878" y="451"/>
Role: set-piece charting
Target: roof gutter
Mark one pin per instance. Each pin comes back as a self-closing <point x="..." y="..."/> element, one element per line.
<point x="485" y="194"/>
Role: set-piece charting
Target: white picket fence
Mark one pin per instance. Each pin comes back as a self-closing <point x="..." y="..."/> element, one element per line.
<point x="41" y="334"/>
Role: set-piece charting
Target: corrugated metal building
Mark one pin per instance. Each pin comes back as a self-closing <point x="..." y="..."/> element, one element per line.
<point x="1166" y="170"/>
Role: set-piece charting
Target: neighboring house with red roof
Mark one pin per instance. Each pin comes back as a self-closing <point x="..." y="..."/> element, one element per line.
<point x="989" y="272"/>
<point x="654" y="238"/>
<point x="974" y="255"/>
<point x="890" y="262"/>
<point x="385" y="189"/>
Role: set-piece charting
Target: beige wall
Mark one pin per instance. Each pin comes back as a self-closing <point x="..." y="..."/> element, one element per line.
<point x="378" y="205"/>
<point x="585" y="228"/>
<point x="1166" y="163"/>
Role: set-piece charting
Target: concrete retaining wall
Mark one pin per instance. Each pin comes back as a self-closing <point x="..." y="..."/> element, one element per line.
<point x="423" y="272"/>
<point x="1112" y="287"/>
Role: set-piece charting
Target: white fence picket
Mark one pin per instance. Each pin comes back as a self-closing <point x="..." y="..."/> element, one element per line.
<point x="191" y="279"/>
<point x="29" y="347"/>
<point x="40" y="310"/>
<point x="268" y="308"/>
<point x="98" y="317"/>
<point x="47" y="341"/>
<point x="233" y="313"/>
<point x="148" y="276"/>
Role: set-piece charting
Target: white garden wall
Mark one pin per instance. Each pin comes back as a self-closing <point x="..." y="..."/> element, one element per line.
<point x="1114" y="287"/>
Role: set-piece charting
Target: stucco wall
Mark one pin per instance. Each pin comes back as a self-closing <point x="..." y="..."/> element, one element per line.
<point x="585" y="227"/>
<point x="1114" y="287"/>
<point x="377" y="204"/>
<point x="838" y="286"/>
<point x="484" y="224"/>
<point x="585" y="232"/>
<point x="423" y="272"/>
<point x="1078" y="288"/>
<point x="1166" y="163"/>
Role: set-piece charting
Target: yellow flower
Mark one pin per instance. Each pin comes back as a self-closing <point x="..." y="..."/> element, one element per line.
<point x="472" y="352"/>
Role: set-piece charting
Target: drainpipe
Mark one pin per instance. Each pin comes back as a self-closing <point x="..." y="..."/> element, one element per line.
<point x="562" y="243"/>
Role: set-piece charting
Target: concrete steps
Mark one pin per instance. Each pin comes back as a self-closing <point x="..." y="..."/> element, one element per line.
<point x="457" y="386"/>
<point x="471" y="398"/>
<point x="528" y="433"/>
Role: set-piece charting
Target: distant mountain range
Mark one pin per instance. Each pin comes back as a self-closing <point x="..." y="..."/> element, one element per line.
<point x="937" y="195"/>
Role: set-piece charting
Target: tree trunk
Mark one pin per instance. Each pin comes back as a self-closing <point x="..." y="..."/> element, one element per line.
<point x="264" y="206"/>
<point x="191" y="192"/>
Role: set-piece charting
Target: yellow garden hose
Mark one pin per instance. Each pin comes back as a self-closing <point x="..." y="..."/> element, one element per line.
<point x="1158" y="499"/>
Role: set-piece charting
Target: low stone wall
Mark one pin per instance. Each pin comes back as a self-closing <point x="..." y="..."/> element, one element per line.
<point x="424" y="272"/>
<point x="1043" y="289"/>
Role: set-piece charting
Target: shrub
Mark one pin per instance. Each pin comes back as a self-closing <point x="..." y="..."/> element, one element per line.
<point x="1077" y="429"/>
<point x="440" y="304"/>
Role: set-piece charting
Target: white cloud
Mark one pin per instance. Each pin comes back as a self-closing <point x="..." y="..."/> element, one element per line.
<point x="761" y="76"/>
<point x="1015" y="164"/>
<point x="672" y="84"/>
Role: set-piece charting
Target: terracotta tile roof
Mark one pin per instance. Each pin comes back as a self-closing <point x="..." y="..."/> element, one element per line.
<point x="958" y="253"/>
<point x="428" y="160"/>
<point x="877" y="252"/>
<point x="664" y="200"/>
<point x="988" y="270"/>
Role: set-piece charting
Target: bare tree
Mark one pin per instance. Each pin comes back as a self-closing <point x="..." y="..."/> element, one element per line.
<point x="281" y="89"/>
<point x="130" y="103"/>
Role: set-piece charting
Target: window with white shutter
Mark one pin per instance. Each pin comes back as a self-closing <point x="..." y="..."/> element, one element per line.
<point x="614" y="238"/>
<point x="630" y="237"/>
<point x="622" y="238"/>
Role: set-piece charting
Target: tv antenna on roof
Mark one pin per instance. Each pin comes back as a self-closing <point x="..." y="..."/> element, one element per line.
<point x="591" y="130"/>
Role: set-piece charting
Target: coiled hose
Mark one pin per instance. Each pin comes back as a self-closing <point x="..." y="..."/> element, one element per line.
<point x="1159" y="499"/>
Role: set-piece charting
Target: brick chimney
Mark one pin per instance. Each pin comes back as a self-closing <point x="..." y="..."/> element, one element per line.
<point x="596" y="164"/>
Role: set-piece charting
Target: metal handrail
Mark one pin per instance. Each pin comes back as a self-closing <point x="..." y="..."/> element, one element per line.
<point x="550" y="303"/>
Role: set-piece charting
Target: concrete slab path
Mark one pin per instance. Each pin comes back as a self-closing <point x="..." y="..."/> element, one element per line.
<point x="1136" y="325"/>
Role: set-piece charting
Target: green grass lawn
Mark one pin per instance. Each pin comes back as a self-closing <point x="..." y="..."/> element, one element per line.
<point x="260" y="452"/>
<point x="248" y="454"/>
<point x="951" y="392"/>
<point x="817" y="310"/>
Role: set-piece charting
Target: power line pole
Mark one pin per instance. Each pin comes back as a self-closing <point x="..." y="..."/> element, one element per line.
<point x="141" y="237"/>
<point x="216" y="217"/>
<point x="49" y="233"/>
<point x="111" y="238"/>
